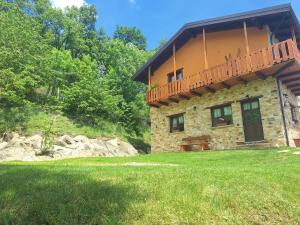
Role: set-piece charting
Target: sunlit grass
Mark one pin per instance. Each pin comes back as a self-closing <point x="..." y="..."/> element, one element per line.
<point x="228" y="187"/>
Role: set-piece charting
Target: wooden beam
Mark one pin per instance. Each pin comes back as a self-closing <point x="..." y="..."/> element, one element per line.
<point x="149" y="78"/>
<point x="249" y="98"/>
<point x="173" y="100"/>
<point x="184" y="96"/>
<point x="242" y="80"/>
<point x="261" y="75"/>
<point x="296" y="90"/>
<point x="246" y="38"/>
<point x="196" y="93"/>
<point x="163" y="103"/>
<point x="293" y="86"/>
<point x="174" y="61"/>
<point x="204" y="48"/>
<point x="225" y="85"/>
<point x="289" y="74"/>
<point x="210" y="89"/>
<point x="293" y="34"/>
<point x="219" y="105"/>
<point x="283" y="68"/>
<point x="291" y="80"/>
<point x="154" y="105"/>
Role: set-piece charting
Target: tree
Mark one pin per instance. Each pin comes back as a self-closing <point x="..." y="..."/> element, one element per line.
<point x="22" y="53"/>
<point x="57" y="59"/>
<point x="131" y="35"/>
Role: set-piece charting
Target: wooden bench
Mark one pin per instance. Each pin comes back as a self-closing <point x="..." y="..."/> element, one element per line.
<point x="201" y="141"/>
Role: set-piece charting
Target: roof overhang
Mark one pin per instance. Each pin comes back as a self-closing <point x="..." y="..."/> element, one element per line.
<point x="279" y="18"/>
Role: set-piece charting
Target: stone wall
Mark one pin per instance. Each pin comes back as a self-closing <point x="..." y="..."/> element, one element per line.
<point x="293" y="127"/>
<point x="197" y="117"/>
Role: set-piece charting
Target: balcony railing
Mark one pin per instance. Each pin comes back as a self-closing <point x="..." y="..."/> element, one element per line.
<point x="257" y="60"/>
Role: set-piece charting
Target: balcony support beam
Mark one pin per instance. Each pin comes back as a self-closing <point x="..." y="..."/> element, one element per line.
<point x="196" y="93"/>
<point x="173" y="100"/>
<point x="204" y="48"/>
<point x="154" y="105"/>
<point x="225" y="85"/>
<point x="184" y="96"/>
<point x="210" y="89"/>
<point x="261" y="75"/>
<point x="283" y="68"/>
<point x="163" y="103"/>
<point x="242" y="80"/>
<point x="297" y="90"/>
<point x="290" y="74"/>
<point x="292" y="86"/>
<point x="291" y="80"/>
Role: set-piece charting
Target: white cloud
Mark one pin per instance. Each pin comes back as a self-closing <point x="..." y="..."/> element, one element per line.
<point x="65" y="3"/>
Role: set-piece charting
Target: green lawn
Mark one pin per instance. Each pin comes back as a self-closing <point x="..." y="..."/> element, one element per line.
<point x="228" y="187"/>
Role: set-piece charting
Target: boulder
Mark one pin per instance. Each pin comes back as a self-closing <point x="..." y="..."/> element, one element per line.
<point x="81" y="138"/>
<point x="3" y="145"/>
<point x="29" y="148"/>
<point x="65" y="140"/>
<point x="127" y="148"/>
<point x="34" y="142"/>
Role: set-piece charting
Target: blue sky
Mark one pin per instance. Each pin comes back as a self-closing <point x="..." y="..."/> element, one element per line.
<point x="160" y="19"/>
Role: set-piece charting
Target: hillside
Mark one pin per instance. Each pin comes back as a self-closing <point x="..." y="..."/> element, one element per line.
<point x="60" y="68"/>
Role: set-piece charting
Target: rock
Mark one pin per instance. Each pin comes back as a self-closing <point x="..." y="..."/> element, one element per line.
<point x="81" y="138"/>
<point x="34" y="142"/>
<point x="114" y="142"/>
<point x="29" y="148"/>
<point x="128" y="148"/>
<point x="65" y="140"/>
<point x="9" y="136"/>
<point x="3" y="145"/>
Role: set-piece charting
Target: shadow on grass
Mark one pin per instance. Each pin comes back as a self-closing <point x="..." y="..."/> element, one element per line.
<point x="40" y="195"/>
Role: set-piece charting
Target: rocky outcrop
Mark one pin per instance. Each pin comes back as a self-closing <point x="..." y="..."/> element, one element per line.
<point x="15" y="147"/>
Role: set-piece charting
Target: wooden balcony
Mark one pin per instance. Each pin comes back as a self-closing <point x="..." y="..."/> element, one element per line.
<point x="258" y="64"/>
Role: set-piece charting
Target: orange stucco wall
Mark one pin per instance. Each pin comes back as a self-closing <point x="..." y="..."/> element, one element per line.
<point x="190" y="57"/>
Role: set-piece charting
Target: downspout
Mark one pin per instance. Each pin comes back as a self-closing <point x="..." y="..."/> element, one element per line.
<point x="282" y="112"/>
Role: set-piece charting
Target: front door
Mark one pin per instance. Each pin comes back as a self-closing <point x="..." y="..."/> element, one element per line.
<point x="253" y="129"/>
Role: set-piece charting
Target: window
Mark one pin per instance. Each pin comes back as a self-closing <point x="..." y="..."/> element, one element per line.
<point x="179" y="75"/>
<point x="221" y="115"/>
<point x="176" y="123"/>
<point x="294" y="113"/>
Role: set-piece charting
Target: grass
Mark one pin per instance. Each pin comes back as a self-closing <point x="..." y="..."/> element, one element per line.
<point x="62" y="125"/>
<point x="228" y="187"/>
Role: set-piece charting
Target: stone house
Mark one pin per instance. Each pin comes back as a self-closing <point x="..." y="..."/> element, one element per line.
<point x="227" y="82"/>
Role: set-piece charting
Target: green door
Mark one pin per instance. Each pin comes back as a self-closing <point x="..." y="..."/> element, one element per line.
<point x="253" y="129"/>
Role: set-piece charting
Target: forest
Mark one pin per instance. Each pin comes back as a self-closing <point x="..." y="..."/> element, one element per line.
<point x="57" y="64"/>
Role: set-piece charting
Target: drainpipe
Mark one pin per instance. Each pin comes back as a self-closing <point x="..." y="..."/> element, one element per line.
<point x="282" y="112"/>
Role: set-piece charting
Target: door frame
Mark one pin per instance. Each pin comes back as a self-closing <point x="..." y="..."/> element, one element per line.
<point x="243" y="116"/>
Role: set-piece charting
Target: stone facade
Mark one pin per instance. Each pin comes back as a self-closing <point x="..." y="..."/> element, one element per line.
<point x="197" y="117"/>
